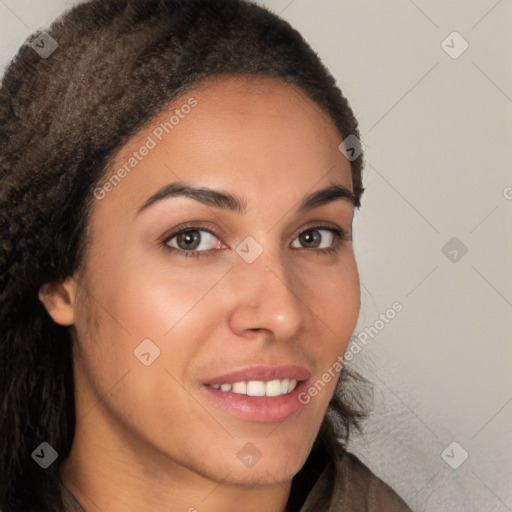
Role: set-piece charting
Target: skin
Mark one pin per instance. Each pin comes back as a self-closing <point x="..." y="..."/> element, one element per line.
<point x="149" y="436"/>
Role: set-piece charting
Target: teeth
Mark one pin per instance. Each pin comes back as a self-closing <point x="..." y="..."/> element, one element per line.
<point x="273" y="388"/>
<point x="260" y="388"/>
<point x="256" y="388"/>
<point x="240" y="388"/>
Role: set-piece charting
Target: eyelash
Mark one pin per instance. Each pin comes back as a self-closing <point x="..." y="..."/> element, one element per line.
<point x="339" y="237"/>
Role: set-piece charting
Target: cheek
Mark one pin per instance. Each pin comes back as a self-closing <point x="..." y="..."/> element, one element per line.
<point x="334" y="298"/>
<point x="171" y="306"/>
<point x="336" y="303"/>
<point x="150" y="297"/>
<point x="129" y="307"/>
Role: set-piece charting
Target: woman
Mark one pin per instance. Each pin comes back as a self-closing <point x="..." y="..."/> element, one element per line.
<point x="178" y="281"/>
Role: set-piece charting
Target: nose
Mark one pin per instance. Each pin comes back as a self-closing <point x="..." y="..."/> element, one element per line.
<point x="266" y="297"/>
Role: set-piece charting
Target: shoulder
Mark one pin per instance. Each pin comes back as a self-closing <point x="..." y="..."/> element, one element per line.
<point x="358" y="489"/>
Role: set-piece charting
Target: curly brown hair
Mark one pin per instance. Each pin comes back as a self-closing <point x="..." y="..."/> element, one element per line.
<point x="62" y="119"/>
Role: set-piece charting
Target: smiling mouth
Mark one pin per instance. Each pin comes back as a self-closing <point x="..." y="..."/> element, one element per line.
<point x="259" y="400"/>
<point x="271" y="388"/>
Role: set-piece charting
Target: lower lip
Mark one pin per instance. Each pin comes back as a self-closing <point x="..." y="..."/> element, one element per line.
<point x="259" y="408"/>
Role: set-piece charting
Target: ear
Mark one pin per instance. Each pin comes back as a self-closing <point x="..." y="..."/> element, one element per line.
<point x="59" y="299"/>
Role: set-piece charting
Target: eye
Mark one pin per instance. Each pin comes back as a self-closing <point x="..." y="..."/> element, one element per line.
<point x="324" y="238"/>
<point x="193" y="239"/>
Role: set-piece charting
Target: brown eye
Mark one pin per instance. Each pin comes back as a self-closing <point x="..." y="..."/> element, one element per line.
<point x="188" y="240"/>
<point x="313" y="238"/>
<point x="310" y="238"/>
<point x="199" y="240"/>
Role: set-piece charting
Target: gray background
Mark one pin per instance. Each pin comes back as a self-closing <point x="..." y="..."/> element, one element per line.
<point x="436" y="128"/>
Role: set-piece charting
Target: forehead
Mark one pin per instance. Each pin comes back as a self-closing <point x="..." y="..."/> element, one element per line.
<point x="256" y="133"/>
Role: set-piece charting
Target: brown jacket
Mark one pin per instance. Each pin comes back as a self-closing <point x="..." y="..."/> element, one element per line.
<point x="351" y="487"/>
<point x="344" y="484"/>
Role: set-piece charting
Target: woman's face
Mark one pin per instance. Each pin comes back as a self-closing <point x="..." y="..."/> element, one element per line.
<point x="262" y="285"/>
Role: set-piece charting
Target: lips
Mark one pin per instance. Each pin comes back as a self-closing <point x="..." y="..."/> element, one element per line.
<point x="261" y="373"/>
<point x="256" y="405"/>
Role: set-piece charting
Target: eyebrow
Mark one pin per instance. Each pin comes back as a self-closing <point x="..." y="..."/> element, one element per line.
<point x="231" y="202"/>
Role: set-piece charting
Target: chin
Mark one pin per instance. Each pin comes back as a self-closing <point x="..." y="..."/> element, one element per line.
<point x="263" y="472"/>
<point x="263" y="477"/>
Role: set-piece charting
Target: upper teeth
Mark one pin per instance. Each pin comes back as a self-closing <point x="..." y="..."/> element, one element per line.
<point x="259" y="388"/>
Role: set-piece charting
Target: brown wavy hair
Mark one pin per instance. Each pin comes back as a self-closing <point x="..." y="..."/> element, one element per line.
<point x="62" y="118"/>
